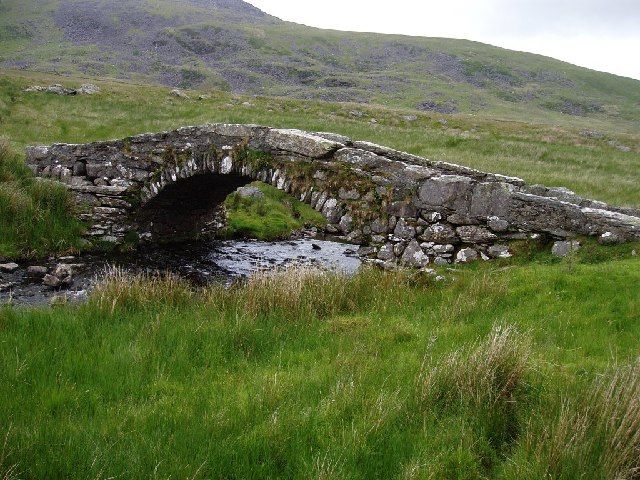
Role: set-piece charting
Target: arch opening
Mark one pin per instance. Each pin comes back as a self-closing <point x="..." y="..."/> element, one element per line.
<point x="188" y="208"/>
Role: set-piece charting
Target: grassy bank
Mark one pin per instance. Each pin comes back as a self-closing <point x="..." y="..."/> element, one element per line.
<point x="511" y="371"/>
<point x="274" y="216"/>
<point x="36" y="217"/>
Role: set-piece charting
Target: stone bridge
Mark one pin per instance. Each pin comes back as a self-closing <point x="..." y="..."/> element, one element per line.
<point x="400" y="207"/>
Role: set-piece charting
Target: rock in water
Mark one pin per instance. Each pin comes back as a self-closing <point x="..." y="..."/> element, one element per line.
<point x="51" y="281"/>
<point x="37" y="271"/>
<point x="61" y="276"/>
<point x="9" y="267"/>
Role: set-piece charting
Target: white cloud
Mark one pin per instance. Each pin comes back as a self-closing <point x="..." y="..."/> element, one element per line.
<point x="598" y="34"/>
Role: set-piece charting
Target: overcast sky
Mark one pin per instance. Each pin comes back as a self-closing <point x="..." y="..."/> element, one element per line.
<point x="599" y="34"/>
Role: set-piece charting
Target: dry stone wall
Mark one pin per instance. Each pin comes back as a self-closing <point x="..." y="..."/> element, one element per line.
<point x="401" y="208"/>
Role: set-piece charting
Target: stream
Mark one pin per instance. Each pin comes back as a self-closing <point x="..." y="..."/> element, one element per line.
<point x="201" y="263"/>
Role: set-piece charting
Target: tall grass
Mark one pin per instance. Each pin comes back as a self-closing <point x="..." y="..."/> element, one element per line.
<point x="601" y="430"/>
<point x="36" y="216"/>
<point x="617" y="421"/>
<point x="121" y="291"/>
<point x="305" y="374"/>
<point x="294" y="294"/>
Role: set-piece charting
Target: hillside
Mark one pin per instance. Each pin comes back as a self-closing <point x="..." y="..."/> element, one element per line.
<point x="231" y="45"/>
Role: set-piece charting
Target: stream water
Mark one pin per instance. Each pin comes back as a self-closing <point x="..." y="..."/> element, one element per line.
<point x="201" y="263"/>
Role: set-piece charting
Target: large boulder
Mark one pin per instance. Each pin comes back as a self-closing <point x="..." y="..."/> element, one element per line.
<point x="9" y="267"/>
<point x="564" y="249"/>
<point x="332" y="210"/>
<point x="56" y="89"/>
<point x="88" y="89"/>
<point x="386" y="252"/>
<point x="467" y="255"/>
<point x="250" y="192"/>
<point x="404" y="231"/>
<point x="474" y="234"/>
<point x="491" y="199"/>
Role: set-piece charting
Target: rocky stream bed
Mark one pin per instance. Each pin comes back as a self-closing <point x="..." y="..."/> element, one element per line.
<point x="71" y="278"/>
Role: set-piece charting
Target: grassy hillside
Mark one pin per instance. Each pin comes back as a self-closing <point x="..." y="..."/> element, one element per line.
<point x="229" y="44"/>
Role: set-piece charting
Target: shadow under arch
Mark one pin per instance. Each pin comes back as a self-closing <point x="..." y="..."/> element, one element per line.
<point x="188" y="208"/>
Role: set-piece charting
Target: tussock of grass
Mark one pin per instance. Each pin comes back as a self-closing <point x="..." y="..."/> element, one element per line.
<point x="122" y="292"/>
<point x="490" y="375"/>
<point x="485" y="386"/>
<point x="35" y="214"/>
<point x="601" y="430"/>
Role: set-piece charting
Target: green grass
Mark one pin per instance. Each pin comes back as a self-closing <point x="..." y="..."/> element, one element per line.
<point x="36" y="216"/>
<point x="273" y="217"/>
<point x="511" y="371"/>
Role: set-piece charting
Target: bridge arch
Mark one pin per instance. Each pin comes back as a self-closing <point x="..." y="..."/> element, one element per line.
<point x="400" y="207"/>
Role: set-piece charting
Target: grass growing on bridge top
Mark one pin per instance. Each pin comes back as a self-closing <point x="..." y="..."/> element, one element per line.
<point x="512" y="371"/>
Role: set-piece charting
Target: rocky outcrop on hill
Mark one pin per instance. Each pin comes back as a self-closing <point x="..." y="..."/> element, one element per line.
<point x="57" y="89"/>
